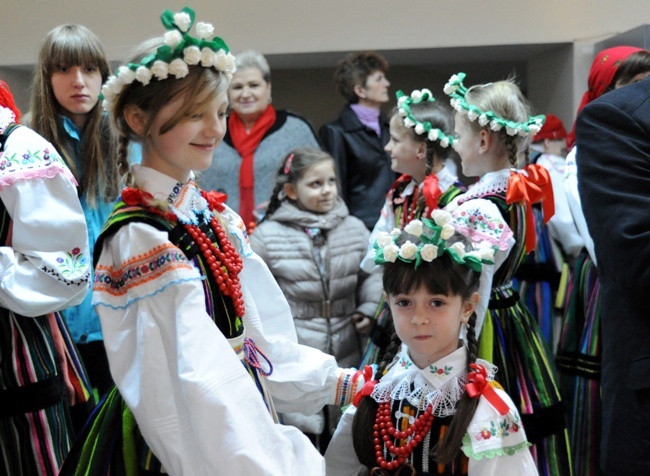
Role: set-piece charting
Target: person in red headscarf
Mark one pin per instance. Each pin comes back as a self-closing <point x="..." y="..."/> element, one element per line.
<point x="579" y="349"/>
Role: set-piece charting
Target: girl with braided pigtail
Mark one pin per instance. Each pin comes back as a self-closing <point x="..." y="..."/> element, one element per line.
<point x="493" y="127"/>
<point x="419" y="147"/>
<point x="432" y="407"/>
<point x="313" y="247"/>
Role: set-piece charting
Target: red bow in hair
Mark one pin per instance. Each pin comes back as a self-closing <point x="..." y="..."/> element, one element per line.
<point x="215" y="200"/>
<point x="531" y="185"/>
<point x="477" y="385"/>
<point x="431" y="191"/>
<point x="368" y="386"/>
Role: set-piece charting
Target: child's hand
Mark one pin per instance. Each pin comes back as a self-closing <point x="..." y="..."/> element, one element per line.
<point x="362" y="323"/>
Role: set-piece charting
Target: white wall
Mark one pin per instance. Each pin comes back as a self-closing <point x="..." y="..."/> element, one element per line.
<point x="554" y="80"/>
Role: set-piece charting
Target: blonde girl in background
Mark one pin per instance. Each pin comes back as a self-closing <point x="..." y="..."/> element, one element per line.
<point x="65" y="109"/>
<point x="493" y="127"/>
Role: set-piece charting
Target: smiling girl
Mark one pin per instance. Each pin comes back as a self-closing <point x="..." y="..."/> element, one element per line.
<point x="200" y="340"/>
<point x="313" y="248"/>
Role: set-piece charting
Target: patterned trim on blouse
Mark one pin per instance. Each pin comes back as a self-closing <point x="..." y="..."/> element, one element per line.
<point x="141" y="276"/>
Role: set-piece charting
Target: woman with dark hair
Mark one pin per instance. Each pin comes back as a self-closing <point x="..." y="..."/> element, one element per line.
<point x="357" y="138"/>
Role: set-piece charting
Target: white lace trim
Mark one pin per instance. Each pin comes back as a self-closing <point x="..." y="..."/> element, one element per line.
<point x="488" y="186"/>
<point x="413" y="387"/>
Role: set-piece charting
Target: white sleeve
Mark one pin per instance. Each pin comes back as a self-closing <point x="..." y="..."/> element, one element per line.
<point x="561" y="225"/>
<point x="496" y="444"/>
<point x="575" y="205"/>
<point x="340" y="458"/>
<point x="44" y="263"/>
<point x="194" y="402"/>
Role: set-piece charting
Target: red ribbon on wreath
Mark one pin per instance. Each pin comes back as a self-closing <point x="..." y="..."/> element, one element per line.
<point x="530" y="185"/>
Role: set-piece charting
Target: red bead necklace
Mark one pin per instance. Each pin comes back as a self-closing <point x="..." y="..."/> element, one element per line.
<point x="385" y="433"/>
<point x="224" y="262"/>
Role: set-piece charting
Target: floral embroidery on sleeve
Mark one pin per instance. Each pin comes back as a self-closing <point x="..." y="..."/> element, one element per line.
<point x="481" y="220"/>
<point x="72" y="268"/>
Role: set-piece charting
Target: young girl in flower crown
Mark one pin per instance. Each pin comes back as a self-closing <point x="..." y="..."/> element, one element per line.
<point x="493" y="127"/>
<point x="420" y="143"/>
<point x="432" y="404"/>
<point x="200" y="340"/>
<point x="65" y="109"/>
<point x="313" y="247"/>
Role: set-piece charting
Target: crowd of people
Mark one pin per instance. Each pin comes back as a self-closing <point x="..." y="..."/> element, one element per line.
<point x="202" y="284"/>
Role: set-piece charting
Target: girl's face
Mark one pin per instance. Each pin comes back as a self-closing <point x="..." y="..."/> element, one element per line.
<point x="189" y="145"/>
<point x="467" y="146"/>
<point x="249" y="94"/>
<point x="316" y="190"/>
<point x="429" y="324"/>
<point x="76" y="89"/>
<point x="376" y="88"/>
<point x="407" y="156"/>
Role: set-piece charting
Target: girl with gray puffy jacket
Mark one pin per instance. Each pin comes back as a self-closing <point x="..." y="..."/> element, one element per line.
<point x="314" y="247"/>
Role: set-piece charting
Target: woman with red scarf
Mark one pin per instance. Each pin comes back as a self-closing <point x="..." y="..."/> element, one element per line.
<point x="579" y="351"/>
<point x="258" y="138"/>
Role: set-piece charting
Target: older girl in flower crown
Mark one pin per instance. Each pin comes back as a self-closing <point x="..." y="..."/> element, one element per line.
<point x="493" y="127"/>
<point x="200" y="339"/>
<point x="420" y="144"/>
<point x="432" y="407"/>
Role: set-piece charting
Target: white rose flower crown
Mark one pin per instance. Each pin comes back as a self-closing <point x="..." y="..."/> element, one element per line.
<point x="431" y="236"/>
<point x="432" y="134"/>
<point x="179" y="51"/>
<point x="456" y="90"/>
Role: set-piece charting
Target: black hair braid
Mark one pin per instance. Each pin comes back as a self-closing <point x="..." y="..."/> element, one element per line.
<point x="449" y="447"/>
<point x="274" y="201"/>
<point x="364" y="418"/>
<point x="512" y="148"/>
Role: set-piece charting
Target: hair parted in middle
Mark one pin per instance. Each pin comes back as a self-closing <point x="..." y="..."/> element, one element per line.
<point x="354" y="70"/>
<point x="66" y="46"/>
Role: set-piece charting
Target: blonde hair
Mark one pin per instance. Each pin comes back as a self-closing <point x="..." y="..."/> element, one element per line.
<point x="152" y="97"/>
<point x="75" y="45"/>
<point x="506" y="100"/>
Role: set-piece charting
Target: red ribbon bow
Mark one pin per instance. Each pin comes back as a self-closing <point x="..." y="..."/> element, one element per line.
<point x="368" y="386"/>
<point x="477" y="385"/>
<point x="431" y="192"/>
<point x="215" y="200"/>
<point x="531" y="187"/>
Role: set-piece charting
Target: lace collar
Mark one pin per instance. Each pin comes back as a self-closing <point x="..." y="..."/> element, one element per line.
<point x="184" y="199"/>
<point x="489" y="184"/>
<point x="440" y="385"/>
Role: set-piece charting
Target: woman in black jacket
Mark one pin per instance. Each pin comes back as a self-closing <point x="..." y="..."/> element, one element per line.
<point x="357" y="138"/>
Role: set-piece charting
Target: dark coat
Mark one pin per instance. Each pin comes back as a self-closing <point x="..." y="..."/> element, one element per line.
<point x="362" y="164"/>
<point x="613" y="138"/>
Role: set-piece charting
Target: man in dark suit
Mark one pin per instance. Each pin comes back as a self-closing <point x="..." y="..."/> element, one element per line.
<point x="613" y="137"/>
